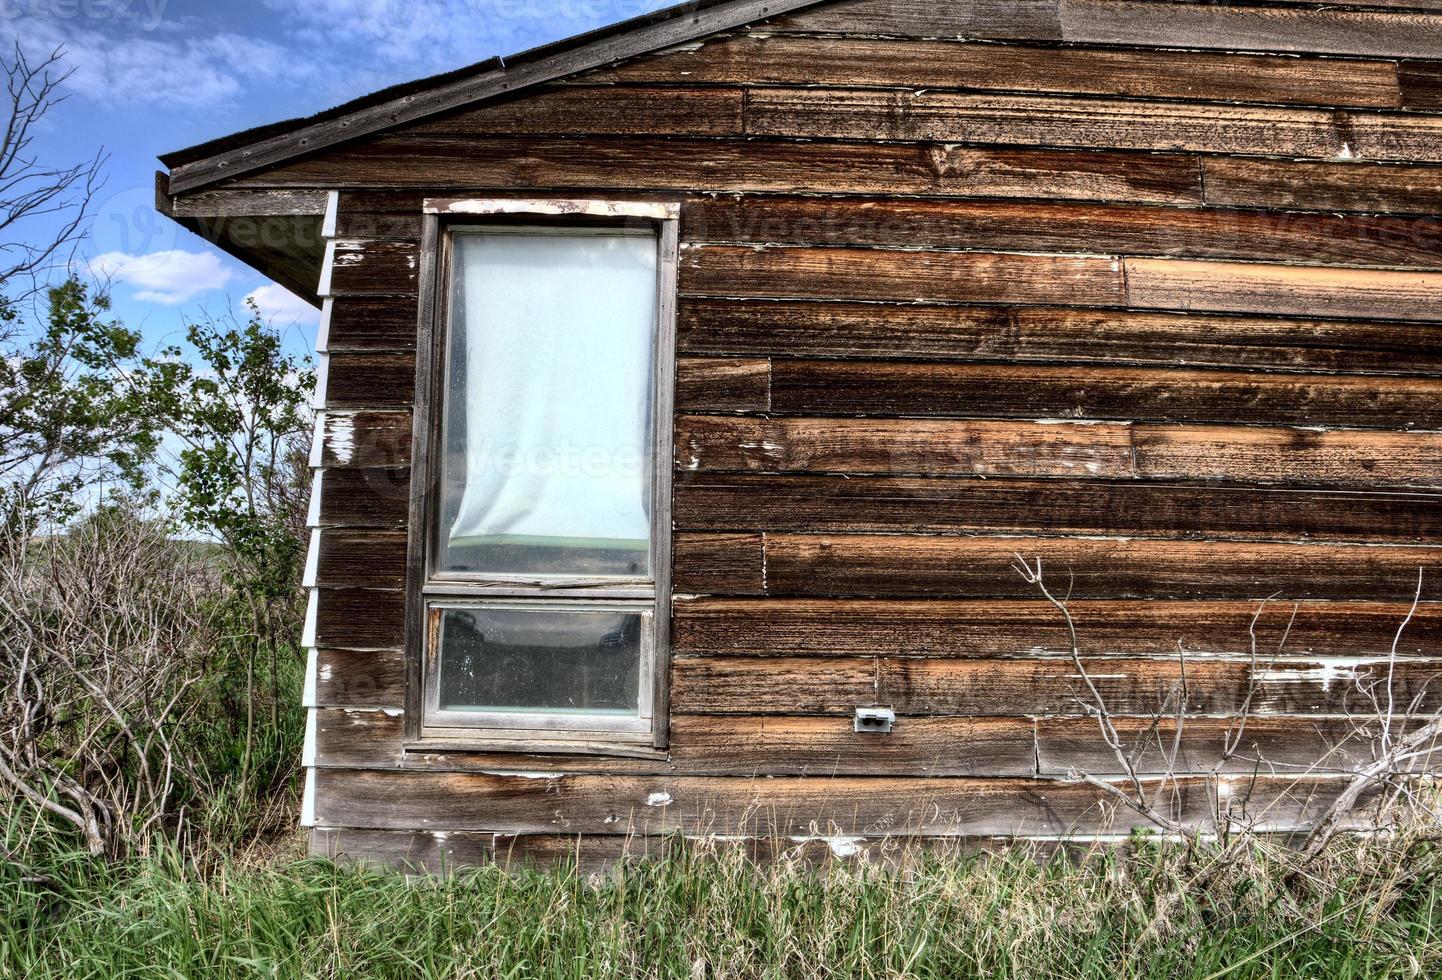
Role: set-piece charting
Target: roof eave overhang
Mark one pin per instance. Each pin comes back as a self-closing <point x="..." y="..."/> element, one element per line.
<point x="645" y="35"/>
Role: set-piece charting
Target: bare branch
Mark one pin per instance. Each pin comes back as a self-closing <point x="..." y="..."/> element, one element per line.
<point x="1097" y="707"/>
<point x="33" y="194"/>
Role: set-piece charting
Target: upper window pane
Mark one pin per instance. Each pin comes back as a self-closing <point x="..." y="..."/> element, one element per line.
<point x="547" y="437"/>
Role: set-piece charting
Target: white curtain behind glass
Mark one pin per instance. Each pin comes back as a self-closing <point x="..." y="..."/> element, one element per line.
<point x="557" y="348"/>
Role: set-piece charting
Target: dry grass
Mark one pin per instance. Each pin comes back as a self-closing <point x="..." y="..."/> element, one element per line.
<point x="1368" y="907"/>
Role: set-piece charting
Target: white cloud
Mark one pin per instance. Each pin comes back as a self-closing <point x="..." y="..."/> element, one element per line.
<point x="393" y="41"/>
<point x="278" y="304"/>
<point x="171" y="277"/>
<point x="165" y="68"/>
<point x="311" y="54"/>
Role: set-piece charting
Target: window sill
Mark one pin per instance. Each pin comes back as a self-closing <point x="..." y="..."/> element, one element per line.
<point x="537" y="746"/>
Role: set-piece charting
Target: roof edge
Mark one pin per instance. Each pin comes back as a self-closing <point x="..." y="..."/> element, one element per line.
<point x="246" y="152"/>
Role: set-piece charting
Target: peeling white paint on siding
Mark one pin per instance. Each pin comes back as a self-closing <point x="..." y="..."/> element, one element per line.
<point x="841" y="847"/>
<point x="1325" y="675"/>
<point x="340" y="438"/>
<point x="554" y="206"/>
<point x="769" y="448"/>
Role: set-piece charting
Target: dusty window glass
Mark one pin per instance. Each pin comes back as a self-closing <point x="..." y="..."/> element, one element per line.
<point x="547" y="432"/>
<point x="586" y="664"/>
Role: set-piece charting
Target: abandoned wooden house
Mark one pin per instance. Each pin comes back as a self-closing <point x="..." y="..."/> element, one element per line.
<point x="690" y="389"/>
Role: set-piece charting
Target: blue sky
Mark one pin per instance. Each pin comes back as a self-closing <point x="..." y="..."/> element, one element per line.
<point x="157" y="75"/>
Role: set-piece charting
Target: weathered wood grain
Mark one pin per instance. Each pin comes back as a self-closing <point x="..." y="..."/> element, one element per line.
<point x="1029" y="19"/>
<point x="1001" y="334"/>
<point x="1103" y="450"/>
<point x="881" y="388"/>
<point x="884" y="274"/>
<point x="367" y="679"/>
<point x="718" y="563"/>
<point x="817" y="684"/>
<point x="1302" y="238"/>
<point x="841" y="504"/>
<point x="370" y="380"/>
<point x="1144" y="688"/>
<point x="364" y="497"/>
<point x="1421" y="84"/>
<point x="767" y="59"/>
<point x="444" y="852"/>
<point x="983" y="448"/>
<point x="1027" y="628"/>
<point x="1273" y="746"/>
<point x="373" y="268"/>
<point x="1015" y="120"/>
<point x="362" y="559"/>
<point x="625" y="166"/>
<point x="371" y="324"/>
<point x="703" y="745"/>
<point x="783" y="807"/>
<point x="1381" y="4"/>
<point x="623" y="110"/>
<point x="360" y="618"/>
<point x="722" y="385"/>
<point x="985" y="567"/>
<point x="1289" y="456"/>
<point x="247" y="204"/>
<point x="1252" y="27"/>
<point x="377" y="222"/>
<point x="1323" y="186"/>
<point x="1287" y="290"/>
<point x="894" y="275"/>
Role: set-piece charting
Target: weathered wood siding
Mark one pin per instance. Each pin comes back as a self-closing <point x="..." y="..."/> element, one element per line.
<point x="1166" y="319"/>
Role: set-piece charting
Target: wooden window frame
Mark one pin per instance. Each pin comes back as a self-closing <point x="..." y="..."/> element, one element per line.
<point x="426" y="592"/>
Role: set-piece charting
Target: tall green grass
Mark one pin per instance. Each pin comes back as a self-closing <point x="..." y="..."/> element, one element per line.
<point x="1370" y="909"/>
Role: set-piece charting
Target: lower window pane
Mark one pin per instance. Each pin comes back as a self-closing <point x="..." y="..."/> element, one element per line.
<point x="512" y="660"/>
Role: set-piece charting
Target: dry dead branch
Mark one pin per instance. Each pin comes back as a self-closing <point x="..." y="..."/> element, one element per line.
<point x="102" y="636"/>
<point x="1399" y="762"/>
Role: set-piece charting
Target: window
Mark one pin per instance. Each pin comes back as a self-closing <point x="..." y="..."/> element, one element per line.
<point x="541" y="548"/>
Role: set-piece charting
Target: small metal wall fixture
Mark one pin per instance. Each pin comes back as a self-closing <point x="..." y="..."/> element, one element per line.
<point x="875" y="721"/>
